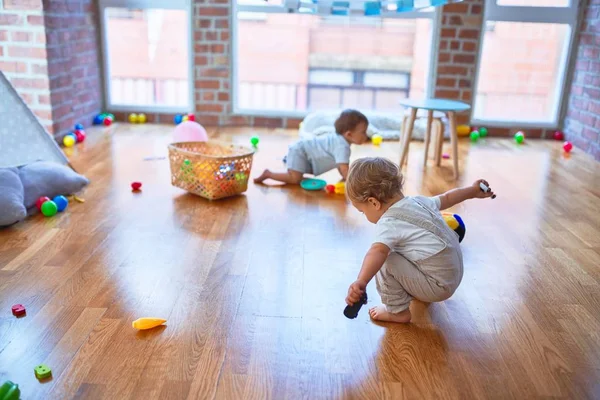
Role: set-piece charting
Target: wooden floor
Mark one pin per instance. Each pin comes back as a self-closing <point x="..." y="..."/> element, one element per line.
<point x="253" y="287"/>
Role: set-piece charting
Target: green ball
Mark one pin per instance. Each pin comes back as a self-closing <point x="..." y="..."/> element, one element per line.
<point x="519" y="137"/>
<point x="254" y="140"/>
<point x="49" y="208"/>
<point x="186" y="162"/>
<point x="475" y="136"/>
<point x="111" y="116"/>
<point x="483" y="132"/>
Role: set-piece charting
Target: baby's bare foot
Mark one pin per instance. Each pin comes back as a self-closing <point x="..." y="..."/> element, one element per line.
<point x="379" y="313"/>
<point x="263" y="176"/>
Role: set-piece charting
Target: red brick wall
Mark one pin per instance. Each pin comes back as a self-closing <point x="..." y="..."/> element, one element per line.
<point x="582" y="124"/>
<point x="73" y="62"/>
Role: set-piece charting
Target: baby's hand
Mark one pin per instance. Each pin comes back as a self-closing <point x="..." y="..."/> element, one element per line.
<point x="478" y="192"/>
<point x="355" y="292"/>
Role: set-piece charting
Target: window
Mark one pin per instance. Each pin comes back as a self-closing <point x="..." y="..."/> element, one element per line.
<point x="289" y="63"/>
<point x="146" y="55"/>
<point x="525" y="48"/>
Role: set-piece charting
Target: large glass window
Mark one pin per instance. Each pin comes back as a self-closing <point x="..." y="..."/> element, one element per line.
<point x="147" y="55"/>
<point x="295" y="62"/>
<point x="525" y="48"/>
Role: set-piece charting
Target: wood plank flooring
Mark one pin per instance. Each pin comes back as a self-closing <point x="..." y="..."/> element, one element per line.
<point x="253" y="287"/>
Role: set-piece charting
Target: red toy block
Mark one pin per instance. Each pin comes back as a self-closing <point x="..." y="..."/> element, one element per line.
<point x="18" y="310"/>
<point x="136" y="186"/>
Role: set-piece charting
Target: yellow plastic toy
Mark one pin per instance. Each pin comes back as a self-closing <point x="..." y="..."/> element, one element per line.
<point x="463" y="130"/>
<point x="133" y="118"/>
<point x="147" y="323"/>
<point x="185" y="118"/>
<point x="142" y="118"/>
<point x="377" y="139"/>
<point x="340" y="188"/>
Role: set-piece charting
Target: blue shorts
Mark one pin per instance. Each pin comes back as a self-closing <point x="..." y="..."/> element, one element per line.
<point x="297" y="160"/>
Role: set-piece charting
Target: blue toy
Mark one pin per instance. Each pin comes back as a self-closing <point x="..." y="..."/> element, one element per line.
<point x="456" y="223"/>
<point x="78" y="127"/>
<point x="313" y="184"/>
<point x="99" y="119"/>
<point x="61" y="203"/>
<point x="178" y="118"/>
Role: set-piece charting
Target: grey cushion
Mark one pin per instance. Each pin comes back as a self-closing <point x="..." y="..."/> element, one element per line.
<point x="11" y="197"/>
<point x="49" y="179"/>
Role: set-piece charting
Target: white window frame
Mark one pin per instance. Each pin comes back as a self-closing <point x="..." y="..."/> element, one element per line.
<point x="289" y="6"/>
<point x="558" y="15"/>
<point x="185" y="5"/>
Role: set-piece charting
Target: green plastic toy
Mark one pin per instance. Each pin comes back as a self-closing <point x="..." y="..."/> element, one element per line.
<point x="483" y="132"/>
<point x="42" y="371"/>
<point x="9" y="391"/>
<point x="254" y="140"/>
<point x="475" y="136"/>
<point x="313" y="184"/>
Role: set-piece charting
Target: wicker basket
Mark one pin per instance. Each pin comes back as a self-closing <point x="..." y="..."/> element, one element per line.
<point x="211" y="170"/>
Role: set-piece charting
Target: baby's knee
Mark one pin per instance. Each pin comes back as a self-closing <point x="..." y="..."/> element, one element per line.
<point x="295" y="177"/>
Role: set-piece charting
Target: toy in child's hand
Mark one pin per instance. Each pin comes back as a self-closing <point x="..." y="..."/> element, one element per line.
<point x="147" y="323"/>
<point x="456" y="223"/>
<point x="352" y="311"/>
<point x="485" y="189"/>
<point x="313" y="184"/>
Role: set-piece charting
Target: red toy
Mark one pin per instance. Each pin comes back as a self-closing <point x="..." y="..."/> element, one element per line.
<point x="80" y="135"/>
<point x="107" y="121"/>
<point x="136" y="186"/>
<point x="18" y="310"/>
<point x="41" y="201"/>
<point x="330" y="189"/>
<point x="567" y="147"/>
<point x="558" y="135"/>
<point x="191" y="117"/>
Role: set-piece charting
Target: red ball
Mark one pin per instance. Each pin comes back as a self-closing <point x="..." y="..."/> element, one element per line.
<point x="330" y="189"/>
<point x="107" y="121"/>
<point x="558" y="135"/>
<point x="136" y="185"/>
<point x="191" y="117"/>
<point x="41" y="201"/>
<point x="567" y="146"/>
<point x="80" y="135"/>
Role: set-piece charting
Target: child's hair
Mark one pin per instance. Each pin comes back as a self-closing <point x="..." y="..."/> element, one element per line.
<point x="348" y="120"/>
<point x="373" y="177"/>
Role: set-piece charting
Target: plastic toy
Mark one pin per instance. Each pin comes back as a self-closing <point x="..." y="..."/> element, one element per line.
<point x="313" y="184"/>
<point x="351" y="312"/>
<point x="136" y="186"/>
<point x="49" y="208"/>
<point x="178" y="119"/>
<point x="18" y="310"/>
<point x="107" y="121"/>
<point x="446" y="156"/>
<point x="133" y="118"/>
<point x="558" y="135"/>
<point x="191" y="117"/>
<point x="463" y="130"/>
<point x="475" y="136"/>
<point x="10" y="391"/>
<point x="42" y="371"/>
<point x="41" y="201"/>
<point x="330" y="189"/>
<point x="567" y="147"/>
<point x="147" y="323"/>
<point x="184" y="118"/>
<point x="377" y="139"/>
<point x="456" y="223"/>
<point x="482" y="131"/>
<point x="141" y="118"/>
<point x="254" y="140"/>
<point x="78" y="127"/>
<point x="519" y="137"/>
<point x="69" y="140"/>
<point x="61" y="203"/>
<point x="98" y="119"/>
<point x="484" y="188"/>
<point x="340" y="188"/>
<point x="79" y="135"/>
<point x="189" y="131"/>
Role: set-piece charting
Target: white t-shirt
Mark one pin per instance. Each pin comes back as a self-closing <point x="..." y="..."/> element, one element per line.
<point x="412" y="242"/>
<point x="325" y="152"/>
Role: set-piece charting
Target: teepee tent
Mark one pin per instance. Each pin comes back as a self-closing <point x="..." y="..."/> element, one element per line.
<point x="23" y="139"/>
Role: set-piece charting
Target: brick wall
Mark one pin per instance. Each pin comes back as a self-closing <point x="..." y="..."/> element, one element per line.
<point x="23" y="54"/>
<point x="582" y="124"/>
<point x="73" y="62"/>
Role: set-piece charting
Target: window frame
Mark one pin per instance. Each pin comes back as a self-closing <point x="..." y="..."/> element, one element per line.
<point x="432" y="13"/>
<point x="569" y="16"/>
<point x="185" y="5"/>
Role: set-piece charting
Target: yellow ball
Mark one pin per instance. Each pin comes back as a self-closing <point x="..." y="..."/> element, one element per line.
<point x="133" y="118"/>
<point x="142" y="118"/>
<point x="463" y="130"/>
<point x="68" y="141"/>
<point x="377" y="139"/>
<point x="185" y="118"/>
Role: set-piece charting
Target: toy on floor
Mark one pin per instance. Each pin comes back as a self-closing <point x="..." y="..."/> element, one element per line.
<point x="558" y="135"/>
<point x="178" y="119"/>
<point x="520" y="137"/>
<point x="49" y="208"/>
<point x="351" y="312"/>
<point x="40" y="201"/>
<point x="482" y="131"/>
<point x="61" y="203"/>
<point x="340" y="188"/>
<point x="136" y="186"/>
<point x="254" y="140"/>
<point x="485" y="189"/>
<point x="377" y="139"/>
<point x="133" y="118"/>
<point x="313" y="184"/>
<point x="104" y="118"/>
<point x="463" y="130"/>
<point x="567" y="147"/>
<point x="330" y="189"/>
<point x="445" y="156"/>
<point x="475" y="136"/>
<point x="69" y="140"/>
<point x="147" y="323"/>
<point x="142" y="118"/>
<point x="79" y="135"/>
<point x="10" y="391"/>
<point x="191" y="117"/>
<point x="18" y="310"/>
<point x="42" y="371"/>
<point x="456" y="223"/>
<point x="78" y="126"/>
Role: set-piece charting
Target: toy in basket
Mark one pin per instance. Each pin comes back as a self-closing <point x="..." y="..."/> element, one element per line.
<point x="211" y="170"/>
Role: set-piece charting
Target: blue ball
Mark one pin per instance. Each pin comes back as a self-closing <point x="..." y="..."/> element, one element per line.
<point x="61" y="203"/>
<point x="79" y="127"/>
<point x="98" y="119"/>
<point x="178" y="118"/>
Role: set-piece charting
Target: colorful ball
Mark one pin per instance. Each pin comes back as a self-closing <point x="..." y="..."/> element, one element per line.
<point x="178" y="119"/>
<point x="133" y="118"/>
<point x="142" y="118"/>
<point x="483" y="131"/>
<point x="463" y="130"/>
<point x="78" y="127"/>
<point x="40" y="201"/>
<point x="519" y="137"/>
<point x="567" y="147"/>
<point x="330" y="189"/>
<point x="456" y="223"/>
<point x="377" y="139"/>
<point x="184" y="118"/>
<point x="111" y="116"/>
<point x="191" y="117"/>
<point x="98" y="119"/>
<point x="79" y="135"/>
<point x="107" y="121"/>
<point x="49" y="208"/>
<point x="558" y="135"/>
<point x="475" y="136"/>
<point x="69" y="140"/>
<point x="61" y="203"/>
<point x="254" y="140"/>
